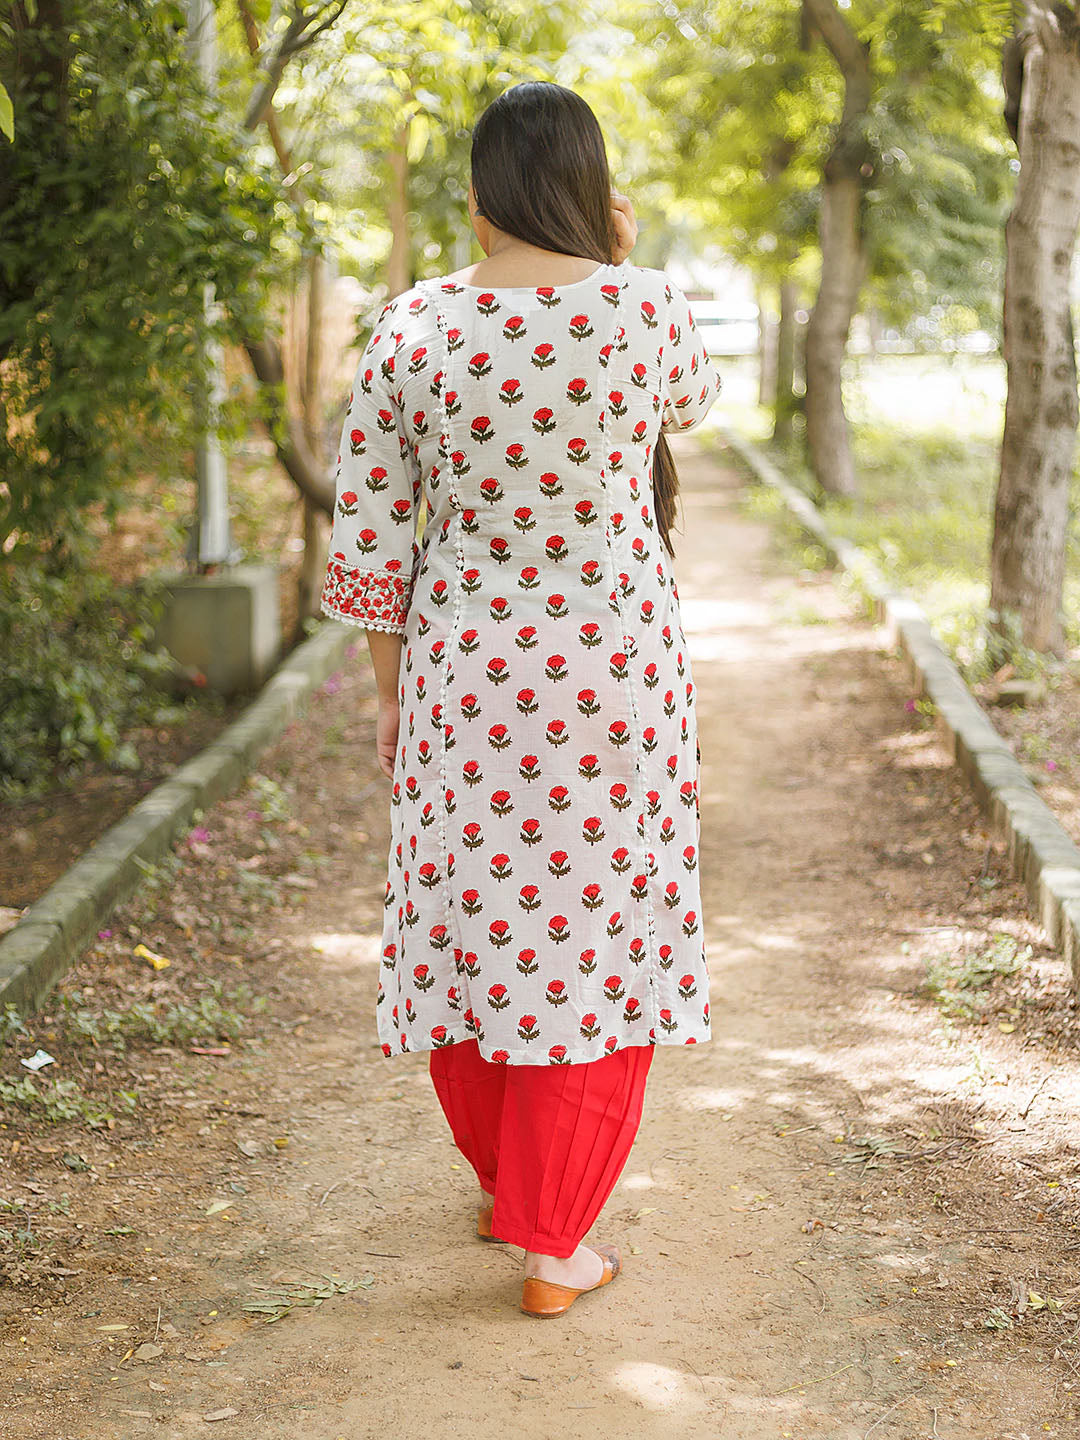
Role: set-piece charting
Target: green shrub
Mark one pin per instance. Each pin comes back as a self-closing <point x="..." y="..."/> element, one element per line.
<point x="77" y="671"/>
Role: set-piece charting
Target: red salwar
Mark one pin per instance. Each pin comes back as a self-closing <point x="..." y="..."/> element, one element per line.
<point x="548" y="1141"/>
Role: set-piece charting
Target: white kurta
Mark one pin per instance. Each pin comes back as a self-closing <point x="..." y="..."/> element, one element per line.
<point x="543" y="891"/>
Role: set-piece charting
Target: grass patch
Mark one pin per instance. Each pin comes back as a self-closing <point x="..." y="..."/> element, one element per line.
<point x="926" y="436"/>
<point x="56" y="1101"/>
<point x="211" y="1017"/>
<point x="961" y="984"/>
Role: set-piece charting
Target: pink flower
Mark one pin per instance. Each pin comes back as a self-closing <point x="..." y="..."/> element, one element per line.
<point x="199" y="836"/>
<point x="909" y="705"/>
<point x="1051" y="765"/>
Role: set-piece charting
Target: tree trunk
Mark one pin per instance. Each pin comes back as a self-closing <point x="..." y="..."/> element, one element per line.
<point x="313" y="565"/>
<point x="766" y="349"/>
<point x="311" y="476"/>
<point x="784" y="402"/>
<point x="399" y="266"/>
<point x="843" y="262"/>
<point x="298" y="452"/>
<point x="1038" y="450"/>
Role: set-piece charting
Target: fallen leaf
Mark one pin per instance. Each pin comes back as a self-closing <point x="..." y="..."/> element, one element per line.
<point x="159" y="962"/>
<point x="225" y="1414"/>
<point x="218" y="1206"/>
<point x="113" y="1328"/>
<point x="149" y="1351"/>
<point x="39" y="1060"/>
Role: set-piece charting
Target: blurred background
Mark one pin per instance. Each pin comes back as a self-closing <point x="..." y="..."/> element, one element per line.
<point x="206" y="205"/>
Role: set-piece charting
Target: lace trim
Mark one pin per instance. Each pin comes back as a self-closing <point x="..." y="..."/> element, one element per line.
<point x="373" y="599"/>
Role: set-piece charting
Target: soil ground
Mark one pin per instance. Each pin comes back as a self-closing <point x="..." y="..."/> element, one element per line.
<point x="852" y="1213"/>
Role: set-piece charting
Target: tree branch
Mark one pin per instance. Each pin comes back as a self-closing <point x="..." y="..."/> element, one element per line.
<point x="850" y="54"/>
<point x="303" y="30"/>
<point x="288" y="433"/>
<point x="305" y="469"/>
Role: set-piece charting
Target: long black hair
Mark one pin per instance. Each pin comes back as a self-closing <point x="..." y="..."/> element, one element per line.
<point x="540" y="172"/>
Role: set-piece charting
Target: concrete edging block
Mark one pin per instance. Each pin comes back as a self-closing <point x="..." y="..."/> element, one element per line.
<point x="58" y="926"/>
<point x="1040" y="853"/>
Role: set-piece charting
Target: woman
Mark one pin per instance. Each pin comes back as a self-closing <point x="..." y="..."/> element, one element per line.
<point x="536" y="707"/>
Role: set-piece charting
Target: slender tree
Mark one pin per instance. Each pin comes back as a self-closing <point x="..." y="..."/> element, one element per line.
<point x="1027" y="558"/>
<point x="847" y="169"/>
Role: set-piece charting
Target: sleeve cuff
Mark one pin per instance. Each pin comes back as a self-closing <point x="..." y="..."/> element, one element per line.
<point x="372" y="599"/>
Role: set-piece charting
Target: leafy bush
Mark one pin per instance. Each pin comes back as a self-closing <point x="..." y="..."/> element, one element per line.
<point x="77" y="672"/>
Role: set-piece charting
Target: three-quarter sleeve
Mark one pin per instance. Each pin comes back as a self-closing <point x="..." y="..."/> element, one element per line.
<point x="690" y="380"/>
<point x="373" y="546"/>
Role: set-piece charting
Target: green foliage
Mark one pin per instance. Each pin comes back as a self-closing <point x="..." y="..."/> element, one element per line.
<point x="749" y="117"/>
<point x="55" y="1101"/>
<point x="960" y="983"/>
<point x="433" y="66"/>
<point x="77" y="672"/>
<point x="211" y="1017"/>
<point x="122" y="197"/>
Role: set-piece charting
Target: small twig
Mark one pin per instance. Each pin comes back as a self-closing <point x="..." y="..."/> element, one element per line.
<point x="386" y="1254"/>
<point x="794" y="1265"/>
<point x="157" y="1327"/>
<point x="697" y="1372"/>
<point x="800" y="1383"/>
<point x="1044" y="1081"/>
<point x="329" y="1192"/>
<point x="885" y="1415"/>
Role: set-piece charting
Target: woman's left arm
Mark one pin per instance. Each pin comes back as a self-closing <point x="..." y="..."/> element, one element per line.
<point x="373" y="546"/>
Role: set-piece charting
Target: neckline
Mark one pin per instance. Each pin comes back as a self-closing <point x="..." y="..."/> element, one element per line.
<point x="511" y="289"/>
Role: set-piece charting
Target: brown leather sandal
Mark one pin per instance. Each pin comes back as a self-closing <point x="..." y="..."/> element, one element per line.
<point x="544" y="1298"/>
<point x="483" y="1225"/>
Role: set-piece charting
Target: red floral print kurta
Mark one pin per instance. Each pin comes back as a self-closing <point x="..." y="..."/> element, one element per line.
<point x="543" y="893"/>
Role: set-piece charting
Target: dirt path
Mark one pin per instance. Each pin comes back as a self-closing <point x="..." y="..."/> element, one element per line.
<point x="834" y="1215"/>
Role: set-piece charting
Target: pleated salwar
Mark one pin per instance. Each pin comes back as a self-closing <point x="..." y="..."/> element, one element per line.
<point x="549" y="1142"/>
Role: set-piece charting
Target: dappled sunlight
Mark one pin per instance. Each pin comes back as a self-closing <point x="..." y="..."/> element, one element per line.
<point x="657" y="1387"/>
<point x="915" y="749"/>
<point x="637" y="1182"/>
<point x="346" y="947"/>
<point x="700" y="1097"/>
<point x="705" y="616"/>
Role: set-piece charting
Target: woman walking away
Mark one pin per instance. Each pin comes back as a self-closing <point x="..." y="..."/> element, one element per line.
<point x="536" y="706"/>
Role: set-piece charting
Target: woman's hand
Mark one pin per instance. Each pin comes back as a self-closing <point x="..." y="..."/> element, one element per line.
<point x="622" y="213"/>
<point x="387" y="724"/>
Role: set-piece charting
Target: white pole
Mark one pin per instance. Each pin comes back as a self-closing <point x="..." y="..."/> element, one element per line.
<point x="211" y="541"/>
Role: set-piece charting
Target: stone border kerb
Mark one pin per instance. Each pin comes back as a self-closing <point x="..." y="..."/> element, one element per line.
<point x="58" y="926"/>
<point x="1040" y="852"/>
